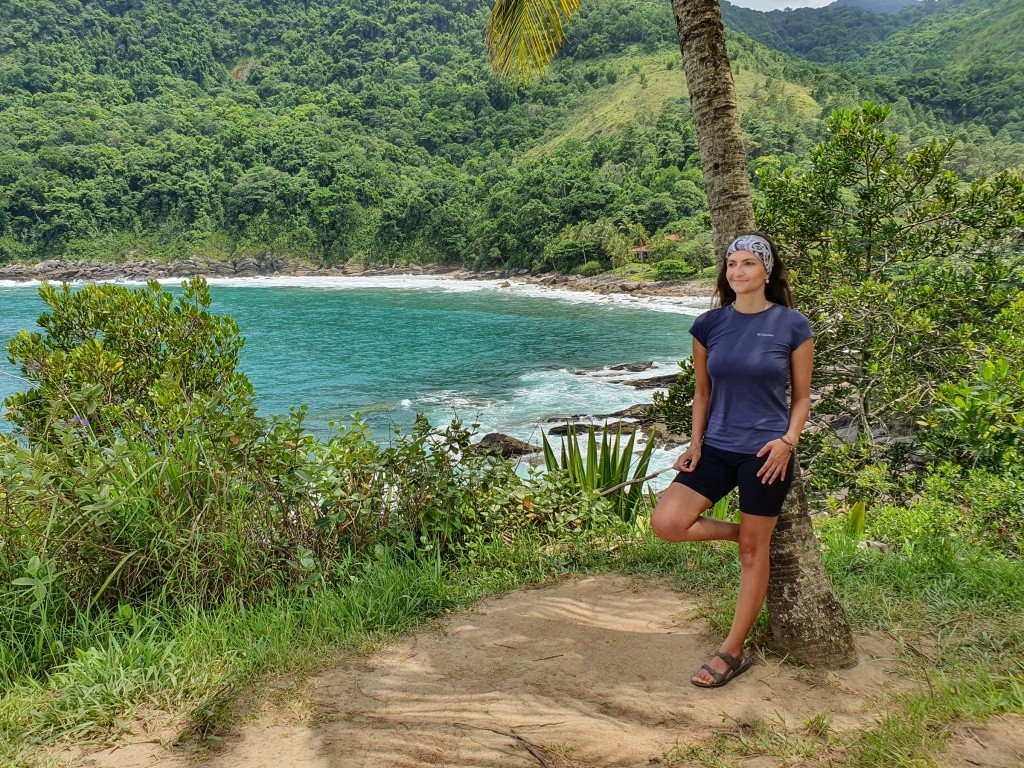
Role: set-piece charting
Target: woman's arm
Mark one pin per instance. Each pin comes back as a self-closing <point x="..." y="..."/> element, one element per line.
<point x="687" y="461"/>
<point x="802" y="364"/>
<point x="779" y="450"/>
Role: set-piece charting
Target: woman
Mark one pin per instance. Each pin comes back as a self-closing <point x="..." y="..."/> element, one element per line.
<point x="744" y="432"/>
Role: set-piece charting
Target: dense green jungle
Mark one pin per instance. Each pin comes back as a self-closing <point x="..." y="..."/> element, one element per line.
<point x="376" y="132"/>
<point x="170" y="559"/>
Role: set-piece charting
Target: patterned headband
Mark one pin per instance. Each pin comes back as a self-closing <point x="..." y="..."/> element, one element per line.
<point x="757" y="246"/>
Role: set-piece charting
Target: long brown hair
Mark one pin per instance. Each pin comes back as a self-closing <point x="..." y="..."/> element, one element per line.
<point x="777" y="290"/>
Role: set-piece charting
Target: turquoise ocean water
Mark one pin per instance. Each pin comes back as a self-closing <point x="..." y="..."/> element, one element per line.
<point x="508" y="358"/>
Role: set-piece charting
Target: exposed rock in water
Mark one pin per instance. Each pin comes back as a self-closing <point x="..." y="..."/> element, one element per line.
<point x="579" y="427"/>
<point x="638" y="412"/>
<point x="582" y="427"/>
<point x="653" y="382"/>
<point x="663" y="438"/>
<point x="621" y="426"/>
<point x="633" y="367"/>
<point x="571" y="418"/>
<point x="506" y="446"/>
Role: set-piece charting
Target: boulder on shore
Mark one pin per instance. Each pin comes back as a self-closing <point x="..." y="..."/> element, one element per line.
<point x="506" y="446"/>
<point x="653" y="382"/>
<point x="576" y="427"/>
<point x="638" y="412"/>
<point x="633" y="367"/>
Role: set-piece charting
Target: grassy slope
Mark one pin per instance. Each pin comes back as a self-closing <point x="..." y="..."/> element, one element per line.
<point x="610" y="108"/>
<point x="964" y="59"/>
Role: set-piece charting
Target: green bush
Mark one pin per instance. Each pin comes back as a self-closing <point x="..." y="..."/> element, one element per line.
<point x="142" y="476"/>
<point x="675" y="406"/>
<point x="132" y="364"/>
<point x="589" y="269"/>
<point x="951" y="507"/>
<point x="671" y="269"/>
<point x="980" y="422"/>
<point x="996" y="504"/>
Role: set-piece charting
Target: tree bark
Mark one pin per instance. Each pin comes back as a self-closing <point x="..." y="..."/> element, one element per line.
<point x="716" y="118"/>
<point x="807" y="621"/>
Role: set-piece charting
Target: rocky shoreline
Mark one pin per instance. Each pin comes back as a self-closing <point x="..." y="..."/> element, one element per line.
<point x="60" y="270"/>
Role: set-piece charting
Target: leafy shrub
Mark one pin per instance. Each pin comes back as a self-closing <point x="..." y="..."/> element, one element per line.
<point x="980" y="422"/>
<point x="875" y="472"/>
<point x="996" y="504"/>
<point x="934" y="518"/>
<point x="589" y="269"/>
<point x="142" y="473"/>
<point x="674" y="406"/>
<point x="132" y="364"/>
<point x="671" y="269"/>
<point x="952" y="506"/>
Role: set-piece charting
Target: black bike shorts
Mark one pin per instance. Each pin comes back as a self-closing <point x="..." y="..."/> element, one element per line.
<point x="718" y="472"/>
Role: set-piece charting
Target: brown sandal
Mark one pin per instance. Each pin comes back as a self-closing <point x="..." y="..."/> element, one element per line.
<point x="737" y="666"/>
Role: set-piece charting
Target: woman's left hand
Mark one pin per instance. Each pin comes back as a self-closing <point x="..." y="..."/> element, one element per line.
<point x="775" y="466"/>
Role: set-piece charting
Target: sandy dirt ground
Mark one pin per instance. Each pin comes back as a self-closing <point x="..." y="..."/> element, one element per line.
<point x="583" y="673"/>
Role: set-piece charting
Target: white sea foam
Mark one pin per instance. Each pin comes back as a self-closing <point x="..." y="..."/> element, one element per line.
<point x="541" y="400"/>
<point x="20" y="283"/>
<point x="355" y="282"/>
<point x="687" y="305"/>
<point x="534" y="406"/>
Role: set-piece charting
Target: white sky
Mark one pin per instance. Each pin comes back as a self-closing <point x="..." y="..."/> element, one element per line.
<point x="772" y="5"/>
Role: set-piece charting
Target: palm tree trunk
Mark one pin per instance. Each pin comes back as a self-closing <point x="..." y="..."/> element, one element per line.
<point x="715" y="117"/>
<point x="807" y="621"/>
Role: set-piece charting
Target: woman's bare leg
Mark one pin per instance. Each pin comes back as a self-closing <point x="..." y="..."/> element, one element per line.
<point x="755" y="535"/>
<point x="678" y="517"/>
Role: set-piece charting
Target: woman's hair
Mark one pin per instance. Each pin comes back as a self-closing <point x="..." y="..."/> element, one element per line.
<point x="777" y="290"/>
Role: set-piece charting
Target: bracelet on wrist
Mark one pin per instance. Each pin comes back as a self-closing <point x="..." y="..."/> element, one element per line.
<point x="791" y="445"/>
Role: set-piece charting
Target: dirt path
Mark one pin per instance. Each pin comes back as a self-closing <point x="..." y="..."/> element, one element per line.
<point x="585" y="673"/>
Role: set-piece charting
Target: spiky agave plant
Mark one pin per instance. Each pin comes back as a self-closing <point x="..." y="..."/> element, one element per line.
<point x="604" y="466"/>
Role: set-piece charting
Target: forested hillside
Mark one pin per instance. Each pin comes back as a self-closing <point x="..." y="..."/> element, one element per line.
<point x="375" y="130"/>
<point x="964" y="59"/>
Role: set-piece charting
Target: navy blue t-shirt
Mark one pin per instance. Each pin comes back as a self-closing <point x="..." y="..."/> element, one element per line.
<point x="749" y="366"/>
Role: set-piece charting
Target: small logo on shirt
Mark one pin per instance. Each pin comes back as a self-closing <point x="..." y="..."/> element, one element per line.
<point x="767" y="334"/>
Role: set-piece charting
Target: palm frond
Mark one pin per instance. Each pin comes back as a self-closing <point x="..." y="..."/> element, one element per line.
<point x="523" y="36"/>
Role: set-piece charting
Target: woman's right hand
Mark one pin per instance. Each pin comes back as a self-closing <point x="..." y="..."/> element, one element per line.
<point x="687" y="461"/>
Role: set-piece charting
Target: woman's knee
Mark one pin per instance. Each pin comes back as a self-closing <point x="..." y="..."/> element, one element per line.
<point x="752" y="553"/>
<point x="755" y="540"/>
<point x="666" y="524"/>
<point x="676" y="512"/>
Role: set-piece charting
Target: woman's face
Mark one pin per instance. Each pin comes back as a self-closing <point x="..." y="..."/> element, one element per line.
<point x="745" y="272"/>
